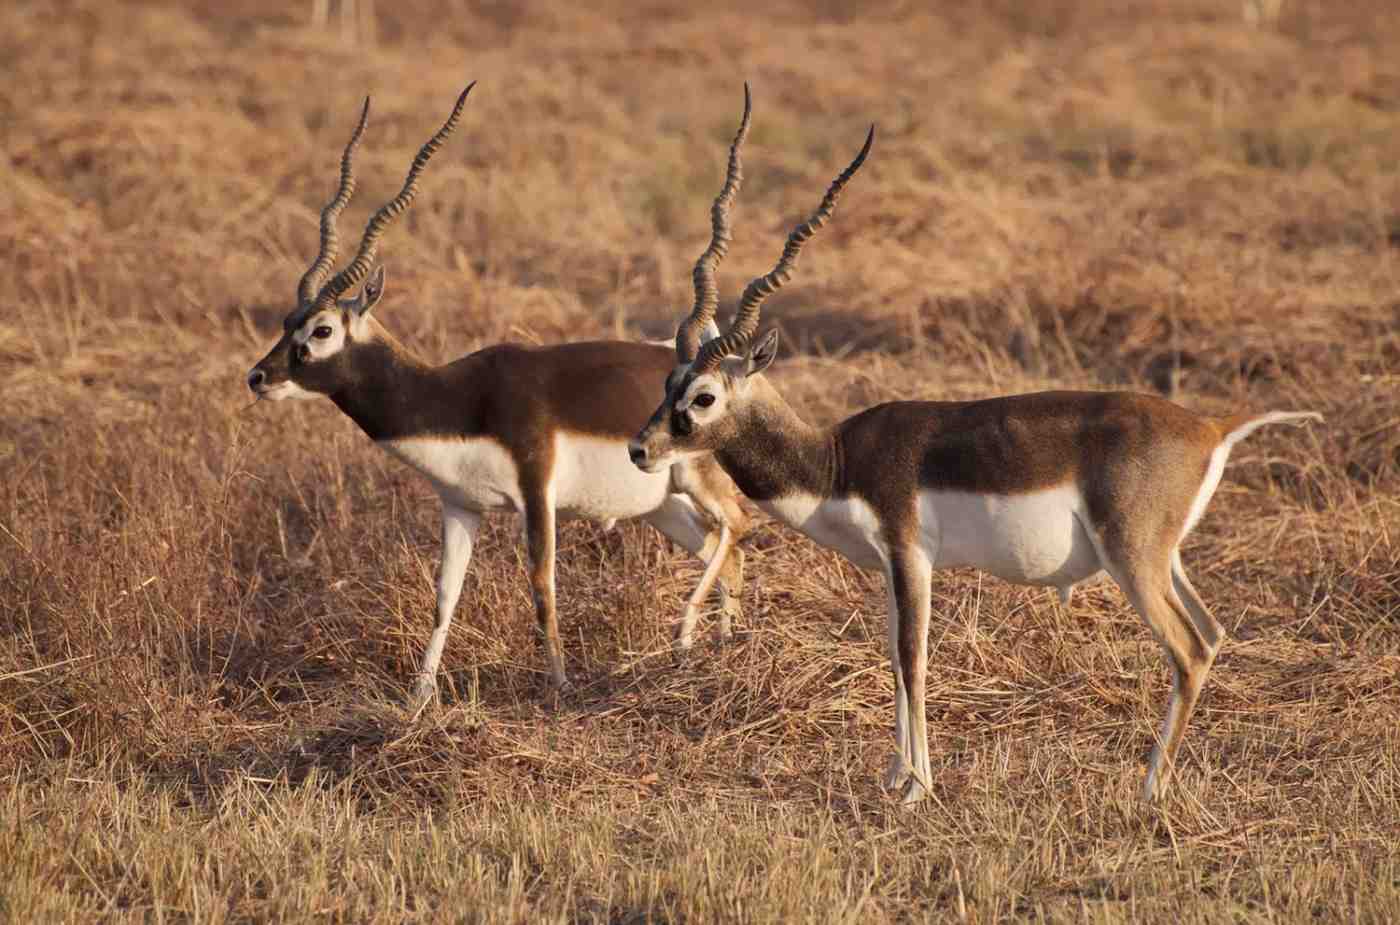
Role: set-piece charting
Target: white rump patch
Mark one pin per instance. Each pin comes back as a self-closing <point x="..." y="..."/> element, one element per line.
<point x="1208" y="485"/>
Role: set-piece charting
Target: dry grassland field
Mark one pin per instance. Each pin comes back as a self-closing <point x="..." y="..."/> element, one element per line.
<point x="211" y="611"/>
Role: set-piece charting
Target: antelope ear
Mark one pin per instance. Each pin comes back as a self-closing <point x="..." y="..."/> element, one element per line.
<point x="369" y="296"/>
<point x="762" y="354"/>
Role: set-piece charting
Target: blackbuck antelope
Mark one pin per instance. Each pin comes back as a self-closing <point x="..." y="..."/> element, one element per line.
<point x="1043" y="489"/>
<point x="538" y="430"/>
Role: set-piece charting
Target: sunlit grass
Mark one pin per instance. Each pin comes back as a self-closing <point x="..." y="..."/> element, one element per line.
<point x="209" y="611"/>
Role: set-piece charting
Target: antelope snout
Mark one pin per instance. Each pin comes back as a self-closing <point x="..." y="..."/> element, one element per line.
<point x="638" y="454"/>
<point x="255" y="379"/>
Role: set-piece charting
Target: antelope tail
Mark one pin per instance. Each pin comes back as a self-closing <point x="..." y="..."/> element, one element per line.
<point x="1236" y="427"/>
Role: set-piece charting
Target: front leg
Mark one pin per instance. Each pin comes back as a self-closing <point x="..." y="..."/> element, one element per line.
<point x="701" y="485"/>
<point x="539" y="534"/>
<point x="910" y="578"/>
<point x="679" y="520"/>
<point x="730" y="583"/>
<point x="458" y="532"/>
<point x="723" y="508"/>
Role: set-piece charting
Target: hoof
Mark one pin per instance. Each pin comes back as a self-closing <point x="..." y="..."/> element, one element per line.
<point x="559" y="696"/>
<point x="425" y="691"/>
<point x="896" y="775"/>
<point x="685" y="631"/>
<point x="726" y="623"/>
<point x="1159" y="772"/>
<point x="914" y="794"/>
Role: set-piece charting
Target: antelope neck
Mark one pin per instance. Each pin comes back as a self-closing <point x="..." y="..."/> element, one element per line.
<point x="777" y="453"/>
<point x="390" y="394"/>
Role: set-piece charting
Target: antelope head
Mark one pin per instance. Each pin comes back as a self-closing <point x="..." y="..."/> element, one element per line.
<point x="328" y="331"/>
<point x="708" y="392"/>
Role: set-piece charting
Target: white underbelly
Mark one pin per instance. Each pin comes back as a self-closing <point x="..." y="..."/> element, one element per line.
<point x="474" y="473"/>
<point x="847" y="525"/>
<point x="595" y="479"/>
<point x="1035" y="538"/>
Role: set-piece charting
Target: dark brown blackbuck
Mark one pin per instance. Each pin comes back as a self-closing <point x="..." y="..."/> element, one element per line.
<point x="541" y="431"/>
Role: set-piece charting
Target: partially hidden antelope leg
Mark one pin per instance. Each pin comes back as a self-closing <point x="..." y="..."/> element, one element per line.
<point x="897" y="774"/>
<point x="540" y="538"/>
<point x="679" y="520"/>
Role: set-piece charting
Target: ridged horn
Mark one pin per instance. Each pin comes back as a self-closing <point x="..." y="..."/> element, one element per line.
<point x="706" y="289"/>
<point x="745" y="322"/>
<point x="359" y="268"/>
<point x="311" y="281"/>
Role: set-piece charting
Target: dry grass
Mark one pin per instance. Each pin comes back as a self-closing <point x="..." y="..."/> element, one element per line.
<point x="209" y="612"/>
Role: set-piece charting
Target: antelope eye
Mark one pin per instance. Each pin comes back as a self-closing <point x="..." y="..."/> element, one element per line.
<point x="322" y="332"/>
<point x="704" y="400"/>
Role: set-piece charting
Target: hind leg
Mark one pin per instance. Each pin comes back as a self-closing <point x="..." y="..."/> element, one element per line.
<point x="1188" y="634"/>
<point x="540" y="539"/>
<point x="1206" y="623"/>
<point x="1189" y="673"/>
<point x="897" y="773"/>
